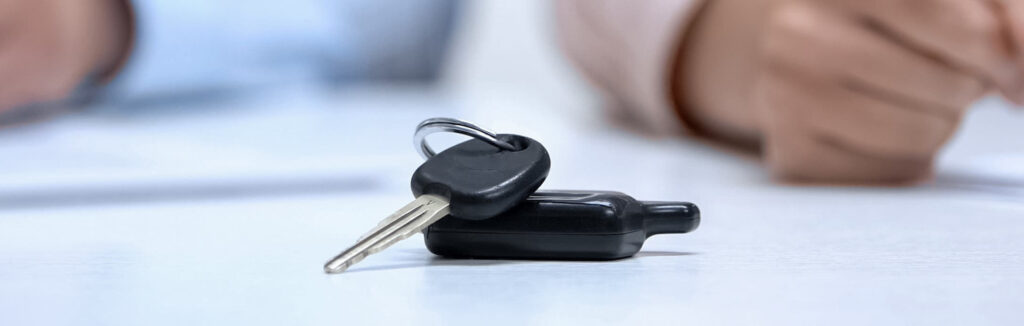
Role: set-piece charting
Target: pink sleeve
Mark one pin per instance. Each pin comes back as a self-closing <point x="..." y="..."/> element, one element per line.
<point x="629" y="50"/>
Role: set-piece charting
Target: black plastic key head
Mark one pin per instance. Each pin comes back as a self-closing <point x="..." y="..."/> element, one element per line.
<point x="565" y="225"/>
<point x="482" y="181"/>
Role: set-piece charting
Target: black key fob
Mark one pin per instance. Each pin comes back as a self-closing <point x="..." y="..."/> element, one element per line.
<point x="481" y="181"/>
<point x="563" y="225"/>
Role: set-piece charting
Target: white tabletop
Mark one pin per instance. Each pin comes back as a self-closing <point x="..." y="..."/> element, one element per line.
<point x="224" y="214"/>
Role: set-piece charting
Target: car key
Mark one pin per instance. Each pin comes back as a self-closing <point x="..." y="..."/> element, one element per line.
<point x="472" y="180"/>
<point x="564" y="225"/>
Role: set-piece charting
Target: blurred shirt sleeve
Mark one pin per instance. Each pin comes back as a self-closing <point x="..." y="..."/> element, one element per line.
<point x="629" y="49"/>
<point x="182" y="46"/>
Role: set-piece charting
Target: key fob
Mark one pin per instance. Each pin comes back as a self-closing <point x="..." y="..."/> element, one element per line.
<point x="563" y="225"/>
<point x="467" y="173"/>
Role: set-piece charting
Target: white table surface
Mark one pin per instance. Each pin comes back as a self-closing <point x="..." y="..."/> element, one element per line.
<point x="223" y="214"/>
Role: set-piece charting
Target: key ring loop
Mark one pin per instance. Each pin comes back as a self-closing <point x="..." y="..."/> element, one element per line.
<point x="435" y="125"/>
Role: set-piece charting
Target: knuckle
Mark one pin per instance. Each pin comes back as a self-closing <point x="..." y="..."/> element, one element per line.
<point x="791" y="27"/>
<point x="793" y="17"/>
<point x="980" y="25"/>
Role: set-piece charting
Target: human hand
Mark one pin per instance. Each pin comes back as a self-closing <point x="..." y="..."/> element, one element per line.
<point x="47" y="47"/>
<point x="862" y="90"/>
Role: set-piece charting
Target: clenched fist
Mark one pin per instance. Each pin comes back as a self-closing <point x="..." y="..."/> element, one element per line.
<point x="848" y="90"/>
<point x="47" y="47"/>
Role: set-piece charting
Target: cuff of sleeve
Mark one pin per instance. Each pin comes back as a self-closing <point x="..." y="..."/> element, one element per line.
<point x="631" y="49"/>
<point x="655" y="59"/>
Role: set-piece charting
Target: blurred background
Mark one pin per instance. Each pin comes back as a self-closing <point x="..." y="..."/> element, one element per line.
<point x="228" y="122"/>
<point x="274" y="111"/>
<point x="209" y="188"/>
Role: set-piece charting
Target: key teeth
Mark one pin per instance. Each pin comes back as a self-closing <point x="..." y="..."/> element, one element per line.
<point x="404" y="223"/>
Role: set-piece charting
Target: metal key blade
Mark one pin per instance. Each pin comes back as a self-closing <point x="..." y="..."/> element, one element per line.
<point x="409" y="220"/>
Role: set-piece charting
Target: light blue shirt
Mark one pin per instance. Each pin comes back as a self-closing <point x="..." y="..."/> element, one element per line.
<point x="184" y="46"/>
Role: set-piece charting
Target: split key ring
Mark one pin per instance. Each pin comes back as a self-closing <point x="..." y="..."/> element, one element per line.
<point x="435" y="125"/>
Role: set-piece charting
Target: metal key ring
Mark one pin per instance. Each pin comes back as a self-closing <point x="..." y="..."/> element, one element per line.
<point x="435" y="125"/>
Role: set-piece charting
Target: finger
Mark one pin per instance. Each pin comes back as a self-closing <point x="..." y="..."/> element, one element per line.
<point x="865" y="59"/>
<point x="860" y="122"/>
<point x="963" y="33"/>
<point x="793" y="157"/>
<point x="794" y="150"/>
